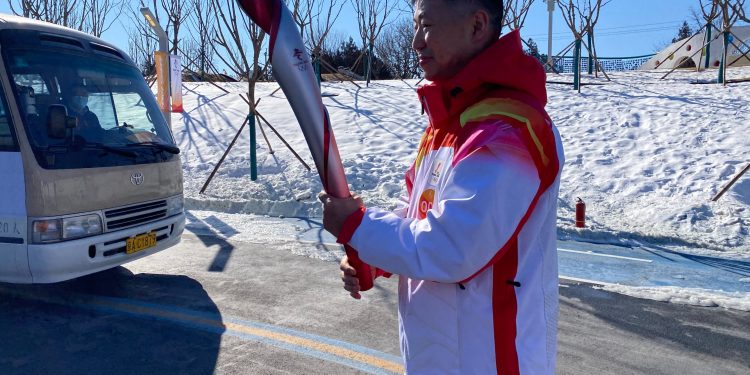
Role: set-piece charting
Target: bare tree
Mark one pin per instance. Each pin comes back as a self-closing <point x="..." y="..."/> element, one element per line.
<point x="98" y="15"/>
<point x="709" y="13"/>
<point x="301" y="12"/>
<point x="571" y="12"/>
<point x="731" y="11"/>
<point x="175" y="13"/>
<point x="515" y="12"/>
<point x="322" y="17"/>
<point x="199" y="50"/>
<point x="68" y="13"/>
<point x="332" y="42"/>
<point x="590" y="13"/>
<point x="372" y="16"/>
<point x="141" y="40"/>
<point x="141" y="49"/>
<point x="739" y="9"/>
<point x="90" y="16"/>
<point x="233" y="27"/>
<point x="710" y="10"/>
<point x="394" y="48"/>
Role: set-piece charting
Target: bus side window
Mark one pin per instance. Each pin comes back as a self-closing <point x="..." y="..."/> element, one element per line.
<point x="7" y="138"/>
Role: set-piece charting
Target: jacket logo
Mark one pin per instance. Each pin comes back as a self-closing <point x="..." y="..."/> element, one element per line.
<point x="137" y="178"/>
<point x="425" y="203"/>
<point x="435" y="176"/>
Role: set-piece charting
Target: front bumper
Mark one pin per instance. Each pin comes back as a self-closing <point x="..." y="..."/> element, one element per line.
<point x="61" y="261"/>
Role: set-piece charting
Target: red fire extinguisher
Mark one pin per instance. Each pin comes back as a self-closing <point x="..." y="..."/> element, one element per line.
<point x="580" y="213"/>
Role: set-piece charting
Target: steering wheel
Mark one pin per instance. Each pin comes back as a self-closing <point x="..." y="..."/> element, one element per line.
<point x="121" y="130"/>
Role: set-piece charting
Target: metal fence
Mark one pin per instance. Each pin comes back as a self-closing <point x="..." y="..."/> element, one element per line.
<point x="610" y="64"/>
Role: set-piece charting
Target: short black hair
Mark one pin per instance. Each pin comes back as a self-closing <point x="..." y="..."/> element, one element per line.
<point x="493" y="7"/>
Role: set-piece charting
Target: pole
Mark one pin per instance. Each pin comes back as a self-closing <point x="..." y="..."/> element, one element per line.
<point x="163" y="47"/>
<point x="577" y="66"/>
<point x="591" y="58"/>
<point x="253" y="157"/>
<point x="369" y="64"/>
<point x="551" y="10"/>
<point x="708" y="47"/>
<point x="316" y="66"/>
<point x="723" y="65"/>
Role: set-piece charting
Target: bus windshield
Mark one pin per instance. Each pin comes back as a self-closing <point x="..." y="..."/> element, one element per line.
<point x="111" y="115"/>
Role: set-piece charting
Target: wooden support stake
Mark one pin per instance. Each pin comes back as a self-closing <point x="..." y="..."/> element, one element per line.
<point x="731" y="183"/>
<point x="678" y="48"/>
<point x="216" y="168"/>
<point x="283" y="140"/>
<point x="691" y="56"/>
<point x="270" y="150"/>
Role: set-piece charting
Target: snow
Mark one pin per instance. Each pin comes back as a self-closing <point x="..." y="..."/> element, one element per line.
<point x="686" y="296"/>
<point x="646" y="155"/>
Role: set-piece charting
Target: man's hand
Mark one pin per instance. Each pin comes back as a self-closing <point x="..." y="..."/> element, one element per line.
<point x="336" y="210"/>
<point x="349" y="277"/>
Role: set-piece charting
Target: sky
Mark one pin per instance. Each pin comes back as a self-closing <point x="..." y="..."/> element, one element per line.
<point x="625" y="28"/>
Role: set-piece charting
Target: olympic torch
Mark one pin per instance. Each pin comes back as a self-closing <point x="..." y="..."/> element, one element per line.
<point x="292" y="68"/>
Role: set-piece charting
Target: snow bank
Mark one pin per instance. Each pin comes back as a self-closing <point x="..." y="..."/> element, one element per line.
<point x="686" y="296"/>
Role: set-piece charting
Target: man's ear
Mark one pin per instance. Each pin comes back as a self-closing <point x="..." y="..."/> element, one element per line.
<point x="481" y="25"/>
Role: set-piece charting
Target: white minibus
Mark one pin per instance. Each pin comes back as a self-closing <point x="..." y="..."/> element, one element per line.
<point x="90" y="176"/>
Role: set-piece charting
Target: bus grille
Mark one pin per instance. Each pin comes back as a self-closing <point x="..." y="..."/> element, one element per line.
<point x="130" y="216"/>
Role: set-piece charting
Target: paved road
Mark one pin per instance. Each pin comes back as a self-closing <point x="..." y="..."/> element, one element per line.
<point x="212" y="305"/>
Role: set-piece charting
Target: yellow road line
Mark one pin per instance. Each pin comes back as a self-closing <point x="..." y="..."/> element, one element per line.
<point x="282" y="337"/>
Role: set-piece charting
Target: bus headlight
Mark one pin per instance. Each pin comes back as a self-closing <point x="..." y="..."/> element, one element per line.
<point x="58" y="229"/>
<point x="81" y="226"/>
<point x="175" y="205"/>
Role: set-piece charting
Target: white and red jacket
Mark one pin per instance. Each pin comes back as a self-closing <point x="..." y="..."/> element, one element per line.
<point x="475" y="249"/>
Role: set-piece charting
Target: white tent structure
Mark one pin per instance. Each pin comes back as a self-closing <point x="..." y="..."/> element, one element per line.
<point x="678" y="55"/>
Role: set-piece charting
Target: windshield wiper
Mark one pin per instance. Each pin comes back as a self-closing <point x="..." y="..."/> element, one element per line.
<point x="160" y="146"/>
<point x="114" y="150"/>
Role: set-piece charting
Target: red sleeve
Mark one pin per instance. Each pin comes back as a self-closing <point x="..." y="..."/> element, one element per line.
<point x="350" y="225"/>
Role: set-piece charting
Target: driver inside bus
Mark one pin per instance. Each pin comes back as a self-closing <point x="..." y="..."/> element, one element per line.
<point x="88" y="123"/>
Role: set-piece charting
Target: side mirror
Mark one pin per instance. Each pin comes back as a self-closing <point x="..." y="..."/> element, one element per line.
<point x="58" y="121"/>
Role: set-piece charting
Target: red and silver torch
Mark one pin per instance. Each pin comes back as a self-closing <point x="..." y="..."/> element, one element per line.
<point x="292" y="68"/>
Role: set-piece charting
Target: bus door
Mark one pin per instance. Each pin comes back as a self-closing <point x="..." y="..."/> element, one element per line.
<point x="14" y="265"/>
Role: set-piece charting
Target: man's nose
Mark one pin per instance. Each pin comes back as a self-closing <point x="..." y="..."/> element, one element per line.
<point x="417" y="43"/>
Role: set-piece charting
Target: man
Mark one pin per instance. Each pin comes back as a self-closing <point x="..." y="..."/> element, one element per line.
<point x="475" y="250"/>
<point x="88" y="123"/>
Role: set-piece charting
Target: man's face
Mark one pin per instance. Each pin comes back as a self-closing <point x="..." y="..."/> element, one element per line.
<point x="442" y="37"/>
<point x="80" y="98"/>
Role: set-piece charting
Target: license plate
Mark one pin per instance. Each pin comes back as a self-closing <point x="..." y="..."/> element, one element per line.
<point x="138" y="243"/>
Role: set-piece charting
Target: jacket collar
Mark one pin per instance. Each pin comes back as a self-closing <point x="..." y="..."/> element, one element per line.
<point x="502" y="65"/>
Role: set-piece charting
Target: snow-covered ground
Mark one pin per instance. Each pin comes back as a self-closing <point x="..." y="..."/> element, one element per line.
<point x="647" y="155"/>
